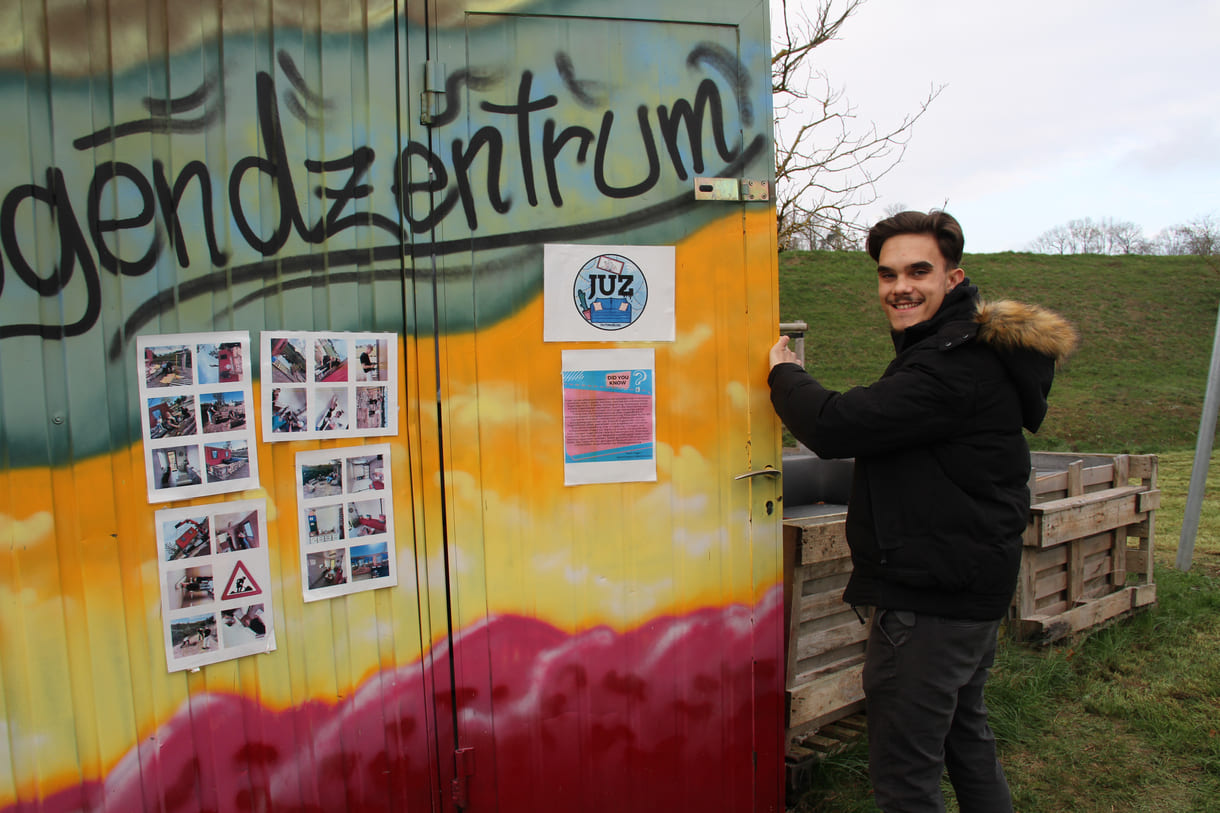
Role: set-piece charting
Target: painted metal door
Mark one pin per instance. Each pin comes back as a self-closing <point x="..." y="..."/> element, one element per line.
<point x="616" y="646"/>
<point x="187" y="168"/>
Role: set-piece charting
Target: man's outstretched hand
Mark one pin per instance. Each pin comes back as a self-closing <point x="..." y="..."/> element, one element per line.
<point x="780" y="353"/>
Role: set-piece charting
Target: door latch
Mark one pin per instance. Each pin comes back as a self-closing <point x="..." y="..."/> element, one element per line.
<point x="732" y="189"/>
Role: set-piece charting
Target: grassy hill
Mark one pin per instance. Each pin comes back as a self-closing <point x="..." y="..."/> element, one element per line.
<point x="1146" y="323"/>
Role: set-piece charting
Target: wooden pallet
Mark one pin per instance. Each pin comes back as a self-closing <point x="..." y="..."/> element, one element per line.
<point x="1087" y="553"/>
<point x="825" y="653"/>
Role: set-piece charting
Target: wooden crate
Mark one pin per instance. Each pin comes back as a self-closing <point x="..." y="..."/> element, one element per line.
<point x="1088" y="548"/>
<point x="825" y="643"/>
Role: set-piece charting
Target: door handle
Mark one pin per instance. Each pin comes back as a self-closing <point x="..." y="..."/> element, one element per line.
<point x="764" y="472"/>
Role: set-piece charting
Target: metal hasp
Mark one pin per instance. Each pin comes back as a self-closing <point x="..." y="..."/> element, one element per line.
<point x="739" y="189"/>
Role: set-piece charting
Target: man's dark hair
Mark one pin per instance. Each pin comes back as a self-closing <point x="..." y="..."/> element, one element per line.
<point x="941" y="225"/>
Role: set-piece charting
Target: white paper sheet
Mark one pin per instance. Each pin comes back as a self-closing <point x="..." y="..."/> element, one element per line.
<point x="345" y="513"/>
<point x="609" y="416"/>
<point x="216" y="601"/>
<point x="196" y="404"/>
<point x="608" y="293"/>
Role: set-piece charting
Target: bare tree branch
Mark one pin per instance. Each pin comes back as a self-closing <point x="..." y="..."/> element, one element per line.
<point x="827" y="162"/>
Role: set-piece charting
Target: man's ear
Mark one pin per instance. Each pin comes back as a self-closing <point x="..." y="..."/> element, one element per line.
<point x="954" y="277"/>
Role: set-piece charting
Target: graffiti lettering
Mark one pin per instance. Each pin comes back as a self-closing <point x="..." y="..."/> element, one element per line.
<point x="524" y="145"/>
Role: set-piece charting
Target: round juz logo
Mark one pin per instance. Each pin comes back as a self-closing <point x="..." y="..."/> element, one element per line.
<point x="610" y="292"/>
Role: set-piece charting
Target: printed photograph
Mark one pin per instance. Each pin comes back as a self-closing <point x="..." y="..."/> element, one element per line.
<point x="171" y="417"/>
<point x="326" y="569"/>
<point x="288" y="406"/>
<point x="324" y="524"/>
<point x="175" y="466"/>
<point x="171" y="366"/>
<point x="373" y="360"/>
<point x="194" y="636"/>
<point x="365" y="518"/>
<point x="242" y="625"/>
<point x="222" y="411"/>
<point x="288" y="362"/>
<point x="190" y="587"/>
<point x="365" y="473"/>
<point x="370" y="561"/>
<point x="227" y="460"/>
<point x="186" y="538"/>
<point x="329" y="360"/>
<point x="322" y="479"/>
<point x="237" y="531"/>
<point x="330" y="404"/>
<point x="219" y="363"/>
<point x="370" y="407"/>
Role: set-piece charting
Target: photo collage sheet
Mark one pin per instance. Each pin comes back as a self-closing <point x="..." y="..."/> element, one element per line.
<point x="215" y="582"/>
<point x="346" y="521"/>
<point x="328" y="385"/>
<point x="195" y="399"/>
<point x="199" y="440"/>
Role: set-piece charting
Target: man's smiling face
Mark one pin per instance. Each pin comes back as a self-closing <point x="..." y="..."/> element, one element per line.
<point x="913" y="278"/>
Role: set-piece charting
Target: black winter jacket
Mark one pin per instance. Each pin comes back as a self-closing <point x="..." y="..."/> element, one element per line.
<point x="940" y="494"/>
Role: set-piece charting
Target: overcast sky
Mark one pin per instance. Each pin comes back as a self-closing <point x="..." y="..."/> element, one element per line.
<point x="1052" y="110"/>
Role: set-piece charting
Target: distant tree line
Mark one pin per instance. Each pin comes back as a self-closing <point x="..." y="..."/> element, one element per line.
<point x="1200" y="236"/>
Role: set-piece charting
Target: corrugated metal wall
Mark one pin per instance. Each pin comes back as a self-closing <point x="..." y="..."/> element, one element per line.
<point x="186" y="168"/>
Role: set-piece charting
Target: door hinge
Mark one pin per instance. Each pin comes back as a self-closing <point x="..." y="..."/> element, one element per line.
<point x="731" y="189"/>
<point x="433" y="93"/>
<point x="463" y="763"/>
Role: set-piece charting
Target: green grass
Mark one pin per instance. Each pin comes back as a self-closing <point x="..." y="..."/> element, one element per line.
<point x="1125" y="717"/>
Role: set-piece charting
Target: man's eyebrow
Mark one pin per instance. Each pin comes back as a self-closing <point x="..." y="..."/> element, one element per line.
<point x="921" y="264"/>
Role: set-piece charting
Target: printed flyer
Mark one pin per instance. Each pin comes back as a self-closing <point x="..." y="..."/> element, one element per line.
<point x="329" y="385"/>
<point x="346" y="519"/>
<point x="608" y="293"/>
<point x="195" y="393"/>
<point x="609" y="416"/>
<point x="215" y="583"/>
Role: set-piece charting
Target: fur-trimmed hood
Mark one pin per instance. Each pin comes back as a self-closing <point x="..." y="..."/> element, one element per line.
<point x="1031" y="341"/>
<point x="1010" y="325"/>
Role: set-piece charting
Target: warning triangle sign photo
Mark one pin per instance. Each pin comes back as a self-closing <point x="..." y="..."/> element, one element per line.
<point x="241" y="583"/>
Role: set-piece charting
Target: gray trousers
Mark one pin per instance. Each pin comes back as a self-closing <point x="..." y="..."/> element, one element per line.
<point x="923" y="684"/>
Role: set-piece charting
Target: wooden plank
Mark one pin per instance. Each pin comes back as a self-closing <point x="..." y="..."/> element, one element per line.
<point x="1144" y="467"/>
<point x="1050" y="583"/>
<point x="821" y="570"/>
<point x="820" y="667"/>
<point x="828" y="728"/>
<point x="1149" y="500"/>
<point x="1050" y="628"/>
<point x="1052" y="558"/>
<point x="852" y="632"/>
<point x="819" y="605"/>
<point x="1075" y="580"/>
<point x="825" y="696"/>
<point x="1027" y="582"/>
<point x="1075" y="483"/>
<point x="1118" y="557"/>
<point x="1143" y="595"/>
<point x="824" y="541"/>
<point x="1076" y="517"/>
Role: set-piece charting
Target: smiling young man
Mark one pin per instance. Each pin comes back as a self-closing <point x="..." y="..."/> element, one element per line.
<point x="939" y="502"/>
